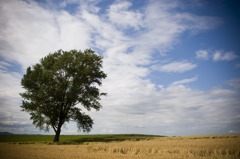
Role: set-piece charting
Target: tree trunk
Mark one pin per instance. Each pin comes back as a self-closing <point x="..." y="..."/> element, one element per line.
<point x="58" y="129"/>
<point x="57" y="135"/>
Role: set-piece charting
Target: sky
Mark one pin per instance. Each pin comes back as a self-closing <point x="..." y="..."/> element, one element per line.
<point x="173" y="66"/>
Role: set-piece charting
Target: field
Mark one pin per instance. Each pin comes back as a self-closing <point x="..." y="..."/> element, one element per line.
<point x="120" y="147"/>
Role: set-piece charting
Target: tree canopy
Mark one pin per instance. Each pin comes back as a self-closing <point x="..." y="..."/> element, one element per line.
<point x="59" y="87"/>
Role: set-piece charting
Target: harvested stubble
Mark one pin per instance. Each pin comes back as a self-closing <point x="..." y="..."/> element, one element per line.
<point x="156" y="148"/>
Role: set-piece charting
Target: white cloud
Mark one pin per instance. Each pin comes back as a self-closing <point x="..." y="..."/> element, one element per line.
<point x="202" y="54"/>
<point x="11" y="118"/>
<point x="161" y="32"/>
<point x="171" y="108"/>
<point x="120" y="14"/>
<point x="185" y="81"/>
<point x="38" y="31"/>
<point x="176" y="66"/>
<point x="71" y="36"/>
<point x="216" y="55"/>
<point x="26" y="31"/>
<point x="10" y="83"/>
<point x="224" y="56"/>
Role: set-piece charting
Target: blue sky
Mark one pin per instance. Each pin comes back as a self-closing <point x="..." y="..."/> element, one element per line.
<point x="173" y="67"/>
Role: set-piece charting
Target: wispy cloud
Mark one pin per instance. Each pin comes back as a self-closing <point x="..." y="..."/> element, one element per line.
<point x="237" y="65"/>
<point x="234" y="83"/>
<point x="224" y="56"/>
<point x="176" y="66"/>
<point x="216" y="55"/>
<point x="185" y="81"/>
<point x="202" y="54"/>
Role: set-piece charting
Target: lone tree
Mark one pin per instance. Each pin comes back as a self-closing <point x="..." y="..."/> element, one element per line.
<point x="57" y="87"/>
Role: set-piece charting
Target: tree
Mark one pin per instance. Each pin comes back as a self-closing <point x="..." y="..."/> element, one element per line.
<point x="57" y="87"/>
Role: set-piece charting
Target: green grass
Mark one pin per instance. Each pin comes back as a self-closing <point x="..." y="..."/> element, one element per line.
<point x="73" y="139"/>
<point x="26" y="138"/>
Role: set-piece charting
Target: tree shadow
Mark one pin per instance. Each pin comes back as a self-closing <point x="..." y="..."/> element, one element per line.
<point x="109" y="138"/>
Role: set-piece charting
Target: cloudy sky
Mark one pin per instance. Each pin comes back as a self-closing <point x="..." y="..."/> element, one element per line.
<point x="173" y="67"/>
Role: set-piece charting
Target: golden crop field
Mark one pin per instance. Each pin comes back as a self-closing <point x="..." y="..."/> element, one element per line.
<point x="198" y="147"/>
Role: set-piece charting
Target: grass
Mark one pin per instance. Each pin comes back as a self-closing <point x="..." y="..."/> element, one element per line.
<point x="26" y="138"/>
<point x="74" y="139"/>
<point x="120" y="147"/>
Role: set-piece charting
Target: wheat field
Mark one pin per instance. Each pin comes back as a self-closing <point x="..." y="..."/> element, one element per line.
<point x="205" y="147"/>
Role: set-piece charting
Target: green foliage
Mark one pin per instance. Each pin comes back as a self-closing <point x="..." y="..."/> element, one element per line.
<point x="57" y="84"/>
